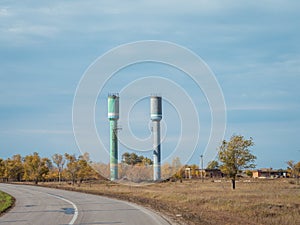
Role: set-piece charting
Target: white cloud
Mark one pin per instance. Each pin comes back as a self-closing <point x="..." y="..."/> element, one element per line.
<point x="35" y="132"/>
<point x="39" y="30"/>
<point x="4" y="12"/>
<point x="212" y="20"/>
<point x="44" y="131"/>
<point x="251" y="107"/>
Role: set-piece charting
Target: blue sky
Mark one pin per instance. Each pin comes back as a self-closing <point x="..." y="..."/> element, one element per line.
<point x="252" y="47"/>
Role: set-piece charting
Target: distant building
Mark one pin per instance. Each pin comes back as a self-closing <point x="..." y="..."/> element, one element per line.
<point x="195" y="173"/>
<point x="268" y="173"/>
<point x="213" y="173"/>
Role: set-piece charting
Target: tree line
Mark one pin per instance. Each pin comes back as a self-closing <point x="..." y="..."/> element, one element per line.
<point x="35" y="168"/>
<point x="134" y="159"/>
<point x="233" y="155"/>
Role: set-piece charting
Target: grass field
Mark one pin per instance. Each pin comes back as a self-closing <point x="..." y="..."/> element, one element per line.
<point x="193" y="202"/>
<point x="6" y="201"/>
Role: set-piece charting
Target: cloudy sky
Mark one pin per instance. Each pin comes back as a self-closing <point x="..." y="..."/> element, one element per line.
<point x="252" y="48"/>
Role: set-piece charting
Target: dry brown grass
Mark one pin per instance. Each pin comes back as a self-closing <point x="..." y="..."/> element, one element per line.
<point x="193" y="202"/>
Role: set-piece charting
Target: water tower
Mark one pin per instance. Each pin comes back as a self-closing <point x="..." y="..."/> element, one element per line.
<point x="113" y="116"/>
<point x="156" y="116"/>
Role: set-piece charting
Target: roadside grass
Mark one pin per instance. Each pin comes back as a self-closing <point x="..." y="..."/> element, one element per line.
<point x="6" y="202"/>
<point x="194" y="202"/>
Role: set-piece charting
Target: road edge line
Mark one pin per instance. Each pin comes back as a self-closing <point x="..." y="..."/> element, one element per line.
<point x="75" y="216"/>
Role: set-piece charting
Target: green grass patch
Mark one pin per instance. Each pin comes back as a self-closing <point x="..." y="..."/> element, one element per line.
<point x="6" y="201"/>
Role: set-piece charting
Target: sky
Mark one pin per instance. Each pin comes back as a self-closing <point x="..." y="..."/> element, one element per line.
<point x="251" y="47"/>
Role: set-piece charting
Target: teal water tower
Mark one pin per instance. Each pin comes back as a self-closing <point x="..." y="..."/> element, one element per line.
<point x="113" y="116"/>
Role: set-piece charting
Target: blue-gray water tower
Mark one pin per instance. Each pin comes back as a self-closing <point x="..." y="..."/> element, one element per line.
<point x="156" y="116"/>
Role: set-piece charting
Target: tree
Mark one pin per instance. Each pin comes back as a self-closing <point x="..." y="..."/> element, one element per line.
<point x="35" y="167"/>
<point x="295" y="169"/>
<point x="194" y="170"/>
<point x="2" y="169"/>
<point x="249" y="173"/>
<point x="126" y="158"/>
<point x="85" y="171"/>
<point x="135" y="167"/>
<point x="235" y="156"/>
<point x="14" y="168"/>
<point x="59" y="161"/>
<point x="72" y="167"/>
<point x="146" y="161"/>
<point x="213" y="165"/>
<point x="133" y="159"/>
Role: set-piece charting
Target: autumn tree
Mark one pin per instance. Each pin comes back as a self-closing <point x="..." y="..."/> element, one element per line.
<point x="235" y="155"/>
<point x="2" y="169"/>
<point x="295" y="169"/>
<point x="35" y="167"/>
<point x="85" y="171"/>
<point x="79" y="168"/>
<point x="212" y="165"/>
<point x="59" y="161"/>
<point x="14" y="169"/>
<point x="72" y="167"/>
<point x="194" y="170"/>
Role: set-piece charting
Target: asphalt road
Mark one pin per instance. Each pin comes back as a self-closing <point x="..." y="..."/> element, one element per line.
<point x="44" y="206"/>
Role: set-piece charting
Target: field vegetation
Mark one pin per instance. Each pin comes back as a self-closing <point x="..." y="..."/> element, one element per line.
<point x="210" y="202"/>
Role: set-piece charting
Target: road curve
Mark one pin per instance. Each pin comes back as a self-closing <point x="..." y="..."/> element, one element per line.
<point x="45" y="206"/>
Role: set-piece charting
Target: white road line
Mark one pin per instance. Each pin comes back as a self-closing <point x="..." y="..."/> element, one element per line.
<point x="148" y="212"/>
<point x="74" y="206"/>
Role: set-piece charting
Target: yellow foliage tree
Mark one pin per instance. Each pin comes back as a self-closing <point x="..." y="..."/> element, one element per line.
<point x="35" y="167"/>
<point x="235" y="155"/>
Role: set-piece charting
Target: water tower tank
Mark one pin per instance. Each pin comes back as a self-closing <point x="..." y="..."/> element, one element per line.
<point x="155" y="108"/>
<point x="113" y="107"/>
